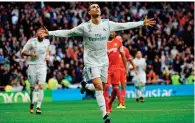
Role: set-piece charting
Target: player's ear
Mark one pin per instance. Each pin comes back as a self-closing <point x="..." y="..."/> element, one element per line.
<point x="89" y="8"/>
<point x="89" y="12"/>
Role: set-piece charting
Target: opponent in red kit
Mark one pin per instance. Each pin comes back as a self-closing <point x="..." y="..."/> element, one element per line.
<point x="115" y="54"/>
<point x="123" y="76"/>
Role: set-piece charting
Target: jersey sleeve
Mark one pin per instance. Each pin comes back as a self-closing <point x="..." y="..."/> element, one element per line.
<point x="145" y="64"/>
<point x="127" y="54"/>
<point x="76" y="31"/>
<point x="134" y="61"/>
<point x="120" y="45"/>
<point x="27" y="46"/>
<point x="124" y="26"/>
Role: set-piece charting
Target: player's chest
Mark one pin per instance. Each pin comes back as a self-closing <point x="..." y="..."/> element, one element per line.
<point x="39" y="47"/>
<point x="97" y="31"/>
<point x="139" y="62"/>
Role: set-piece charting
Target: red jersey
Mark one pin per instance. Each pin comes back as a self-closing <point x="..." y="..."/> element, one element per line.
<point x="127" y="55"/>
<point x="113" y="50"/>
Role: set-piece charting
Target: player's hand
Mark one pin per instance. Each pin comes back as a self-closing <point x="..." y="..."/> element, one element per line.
<point x="149" y="22"/>
<point x="136" y="72"/>
<point x="127" y="72"/>
<point x="35" y="55"/>
<point x="44" y="32"/>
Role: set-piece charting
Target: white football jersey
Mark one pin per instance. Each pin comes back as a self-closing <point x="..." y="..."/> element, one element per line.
<point x="95" y="38"/>
<point x="140" y="63"/>
<point x="34" y="46"/>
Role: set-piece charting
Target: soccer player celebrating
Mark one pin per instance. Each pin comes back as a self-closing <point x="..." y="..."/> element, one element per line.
<point x="95" y="34"/>
<point x="115" y="54"/>
<point x="123" y="76"/>
<point x="38" y="50"/>
<point x="140" y="78"/>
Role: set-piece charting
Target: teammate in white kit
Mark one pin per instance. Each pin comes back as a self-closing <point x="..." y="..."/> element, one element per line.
<point x="139" y="78"/>
<point x="95" y="35"/>
<point x="38" y="50"/>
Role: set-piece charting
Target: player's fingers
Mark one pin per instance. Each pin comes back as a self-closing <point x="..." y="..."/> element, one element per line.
<point x="44" y="35"/>
<point x="150" y="25"/>
<point x="42" y="31"/>
<point x="151" y="19"/>
<point x="150" y="22"/>
<point x="45" y="29"/>
<point x="146" y="17"/>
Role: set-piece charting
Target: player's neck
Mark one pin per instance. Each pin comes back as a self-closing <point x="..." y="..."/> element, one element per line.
<point x="110" y="38"/>
<point x="96" y="20"/>
<point x="39" y="40"/>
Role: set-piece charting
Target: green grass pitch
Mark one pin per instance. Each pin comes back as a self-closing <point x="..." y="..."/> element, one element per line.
<point x="153" y="110"/>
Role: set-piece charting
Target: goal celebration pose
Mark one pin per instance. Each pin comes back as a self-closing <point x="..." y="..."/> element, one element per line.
<point x="95" y="35"/>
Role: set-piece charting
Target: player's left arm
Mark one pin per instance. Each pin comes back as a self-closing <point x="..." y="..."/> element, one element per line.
<point x="124" y="59"/>
<point x="130" y="25"/>
<point x="133" y="65"/>
<point x="47" y="52"/>
<point x="145" y="64"/>
<point x="129" y="59"/>
<point x="76" y="31"/>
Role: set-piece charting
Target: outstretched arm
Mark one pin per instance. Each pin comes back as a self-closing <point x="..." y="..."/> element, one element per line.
<point x="129" y="25"/>
<point x="76" y="31"/>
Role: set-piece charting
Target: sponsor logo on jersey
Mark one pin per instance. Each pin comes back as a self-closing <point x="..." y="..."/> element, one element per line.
<point x="98" y="37"/>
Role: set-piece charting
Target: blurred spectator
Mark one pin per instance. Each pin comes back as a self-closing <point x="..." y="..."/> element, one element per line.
<point x="177" y="62"/>
<point x="152" y="77"/>
<point x="157" y="66"/>
<point x="191" y="78"/>
<point x="67" y="76"/>
<point x="174" y="52"/>
<point x="2" y="59"/>
<point x="175" y="79"/>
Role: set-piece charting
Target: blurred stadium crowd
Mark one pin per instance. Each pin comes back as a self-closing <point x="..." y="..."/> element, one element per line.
<point x="168" y="47"/>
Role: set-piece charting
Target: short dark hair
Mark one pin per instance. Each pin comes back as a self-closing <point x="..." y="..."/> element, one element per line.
<point x="91" y="3"/>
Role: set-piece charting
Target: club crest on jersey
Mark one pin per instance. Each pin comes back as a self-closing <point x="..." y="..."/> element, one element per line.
<point x="89" y="27"/>
<point x="104" y="29"/>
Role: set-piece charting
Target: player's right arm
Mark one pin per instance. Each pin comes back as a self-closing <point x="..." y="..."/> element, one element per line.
<point x="122" y="52"/>
<point x="76" y="31"/>
<point x="145" y="64"/>
<point x="27" y="47"/>
<point x="123" y="57"/>
<point x="130" y="25"/>
<point x="134" y="66"/>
